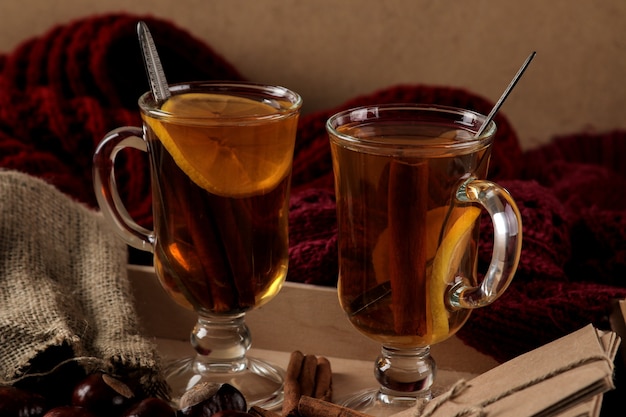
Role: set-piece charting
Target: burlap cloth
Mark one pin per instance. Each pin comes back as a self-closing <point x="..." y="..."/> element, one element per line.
<point x="64" y="287"/>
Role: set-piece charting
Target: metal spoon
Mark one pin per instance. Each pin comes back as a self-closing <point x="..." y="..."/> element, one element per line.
<point x="505" y="94"/>
<point x="156" y="75"/>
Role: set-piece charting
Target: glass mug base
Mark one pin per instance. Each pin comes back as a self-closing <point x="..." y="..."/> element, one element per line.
<point x="377" y="404"/>
<point x="260" y="382"/>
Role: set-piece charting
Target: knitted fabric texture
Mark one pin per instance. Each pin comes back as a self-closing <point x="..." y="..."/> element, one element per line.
<point x="62" y="91"/>
<point x="64" y="286"/>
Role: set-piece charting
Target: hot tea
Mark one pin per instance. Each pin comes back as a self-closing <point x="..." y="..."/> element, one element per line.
<point x="220" y="164"/>
<point x="221" y="217"/>
<point x="404" y="239"/>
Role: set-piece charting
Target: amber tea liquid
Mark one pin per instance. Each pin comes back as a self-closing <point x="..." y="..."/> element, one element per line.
<point x="397" y="217"/>
<point x="222" y="247"/>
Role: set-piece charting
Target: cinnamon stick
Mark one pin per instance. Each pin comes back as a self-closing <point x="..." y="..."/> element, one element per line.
<point x="212" y="251"/>
<point x="234" y="224"/>
<point x="291" y="387"/>
<point x="183" y="262"/>
<point x="314" y="407"/>
<point x="307" y="375"/>
<point x="407" y="206"/>
<point x="323" y="380"/>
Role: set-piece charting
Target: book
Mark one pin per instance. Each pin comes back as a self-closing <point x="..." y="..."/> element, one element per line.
<point x="564" y="378"/>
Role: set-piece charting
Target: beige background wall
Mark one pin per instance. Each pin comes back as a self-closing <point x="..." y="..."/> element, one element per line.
<point x="332" y="50"/>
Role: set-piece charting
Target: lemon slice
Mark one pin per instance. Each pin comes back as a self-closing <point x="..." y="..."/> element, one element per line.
<point x="237" y="160"/>
<point x="445" y="264"/>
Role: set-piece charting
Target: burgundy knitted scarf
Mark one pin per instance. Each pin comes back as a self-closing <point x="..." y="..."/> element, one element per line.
<point x="62" y="91"/>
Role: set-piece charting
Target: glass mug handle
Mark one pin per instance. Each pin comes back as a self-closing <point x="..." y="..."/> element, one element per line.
<point x="106" y="189"/>
<point x="507" y="245"/>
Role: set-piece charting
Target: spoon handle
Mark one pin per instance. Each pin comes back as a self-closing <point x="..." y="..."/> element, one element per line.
<point x="156" y="75"/>
<point x="504" y="95"/>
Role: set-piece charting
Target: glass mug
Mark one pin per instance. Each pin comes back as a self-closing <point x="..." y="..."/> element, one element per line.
<point x="220" y="160"/>
<point x="410" y="187"/>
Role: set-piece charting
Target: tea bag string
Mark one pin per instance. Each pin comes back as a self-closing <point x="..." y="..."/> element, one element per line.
<point x="479" y="410"/>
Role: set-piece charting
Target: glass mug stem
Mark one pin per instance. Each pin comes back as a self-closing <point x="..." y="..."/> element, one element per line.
<point x="404" y="373"/>
<point x="221" y="342"/>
